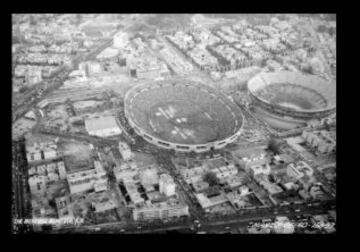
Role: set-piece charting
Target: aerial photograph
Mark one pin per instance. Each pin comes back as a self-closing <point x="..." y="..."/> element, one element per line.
<point x="173" y="123"/>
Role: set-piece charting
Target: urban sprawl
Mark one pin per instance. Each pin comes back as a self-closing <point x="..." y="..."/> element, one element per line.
<point x="96" y="141"/>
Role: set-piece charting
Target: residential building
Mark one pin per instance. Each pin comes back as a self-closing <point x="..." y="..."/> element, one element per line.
<point x="200" y="186"/>
<point x="52" y="177"/>
<point x="225" y="171"/>
<point x="207" y="202"/>
<point x="42" y="151"/>
<point x="133" y="192"/>
<point x="299" y="170"/>
<point x="90" y="68"/>
<point x="102" y="201"/>
<point x="167" y="185"/>
<point x="30" y="115"/>
<point x="125" y="151"/>
<point x="254" y="160"/>
<point x="101" y="183"/>
<point x="37" y="184"/>
<point x="89" y="179"/>
<point x="63" y="207"/>
<point x="260" y="169"/>
<point x="124" y="174"/>
<point x="162" y="210"/>
<point x="81" y="181"/>
<point x="33" y="76"/>
<point x="264" y="182"/>
<point x="61" y="170"/>
<point x="321" y="140"/>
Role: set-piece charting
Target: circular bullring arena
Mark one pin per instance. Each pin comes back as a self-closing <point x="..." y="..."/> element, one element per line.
<point x="183" y="115"/>
<point x="287" y="100"/>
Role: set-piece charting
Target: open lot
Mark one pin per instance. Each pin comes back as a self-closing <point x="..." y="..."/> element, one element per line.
<point x="22" y="126"/>
<point x="57" y="116"/>
<point x="77" y="155"/>
<point x="224" y="209"/>
<point x="143" y="159"/>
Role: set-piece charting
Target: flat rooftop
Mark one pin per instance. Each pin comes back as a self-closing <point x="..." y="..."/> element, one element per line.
<point x="105" y="122"/>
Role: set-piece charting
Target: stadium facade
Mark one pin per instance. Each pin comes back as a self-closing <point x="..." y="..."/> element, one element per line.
<point x="184" y="116"/>
<point x="286" y="100"/>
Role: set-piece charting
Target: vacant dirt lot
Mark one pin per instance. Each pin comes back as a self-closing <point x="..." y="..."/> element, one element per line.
<point x="22" y="126"/>
<point x="77" y="155"/>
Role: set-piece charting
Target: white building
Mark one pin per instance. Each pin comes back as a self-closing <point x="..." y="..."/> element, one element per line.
<point x="103" y="201"/>
<point x="260" y="169"/>
<point x="320" y="140"/>
<point x="100" y="171"/>
<point x="124" y="174"/>
<point x="43" y="151"/>
<point x="38" y="184"/>
<point x="125" y="151"/>
<point x="299" y="170"/>
<point x="133" y="192"/>
<point x="90" y="68"/>
<point x="63" y="208"/>
<point x="30" y="115"/>
<point x="167" y="185"/>
<point x="89" y="179"/>
<point x="81" y="181"/>
<point x="225" y="171"/>
<point x="254" y="160"/>
<point x="61" y="170"/>
<point x="101" y="183"/>
<point x="33" y="76"/>
<point x="50" y="152"/>
<point x="121" y="39"/>
<point x="283" y="225"/>
<point x="108" y="53"/>
<point x="103" y="127"/>
<point x="207" y="203"/>
<point x="94" y="68"/>
<point x="162" y="210"/>
<point x="52" y="177"/>
<point x="149" y="73"/>
<point x="264" y="182"/>
<point x="149" y="176"/>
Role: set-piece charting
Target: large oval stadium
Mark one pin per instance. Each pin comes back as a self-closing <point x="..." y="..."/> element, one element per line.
<point x="287" y="100"/>
<point x="183" y="115"/>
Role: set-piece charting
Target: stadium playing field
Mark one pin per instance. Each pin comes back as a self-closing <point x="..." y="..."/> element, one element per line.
<point x="183" y="121"/>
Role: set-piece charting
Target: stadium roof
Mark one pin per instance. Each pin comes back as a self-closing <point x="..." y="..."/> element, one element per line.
<point x="100" y="123"/>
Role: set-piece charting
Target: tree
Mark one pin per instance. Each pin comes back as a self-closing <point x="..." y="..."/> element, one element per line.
<point x="274" y="145"/>
<point x="307" y="68"/>
<point x="211" y="178"/>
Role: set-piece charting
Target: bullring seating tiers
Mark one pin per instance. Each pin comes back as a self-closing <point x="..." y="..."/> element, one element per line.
<point x="319" y="93"/>
<point x="141" y="100"/>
